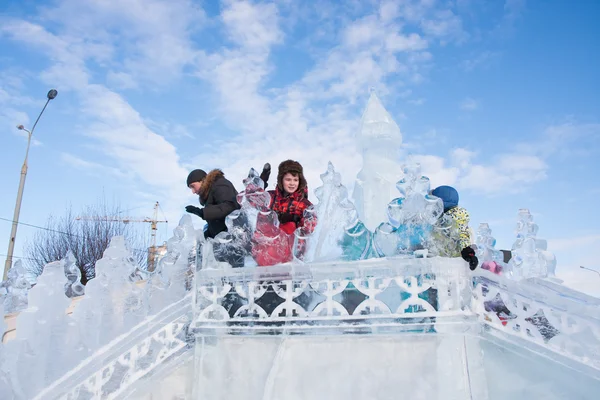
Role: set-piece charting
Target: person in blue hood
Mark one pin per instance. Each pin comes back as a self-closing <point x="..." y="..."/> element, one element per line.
<point x="461" y="218"/>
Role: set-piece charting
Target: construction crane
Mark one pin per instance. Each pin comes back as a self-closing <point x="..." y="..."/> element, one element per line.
<point x="153" y="250"/>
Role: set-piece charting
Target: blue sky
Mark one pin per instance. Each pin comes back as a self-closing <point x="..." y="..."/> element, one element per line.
<point x="498" y="98"/>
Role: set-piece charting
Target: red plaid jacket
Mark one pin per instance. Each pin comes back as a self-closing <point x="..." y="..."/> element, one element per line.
<point x="290" y="207"/>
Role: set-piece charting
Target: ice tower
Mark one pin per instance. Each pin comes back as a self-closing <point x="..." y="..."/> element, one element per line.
<point x="379" y="140"/>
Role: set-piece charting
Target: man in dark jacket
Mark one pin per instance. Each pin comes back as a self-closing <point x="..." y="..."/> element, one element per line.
<point x="217" y="195"/>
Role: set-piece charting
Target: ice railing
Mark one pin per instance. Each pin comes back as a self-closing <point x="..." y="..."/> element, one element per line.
<point x="114" y="370"/>
<point x="380" y="294"/>
<point x="396" y="295"/>
<point x="541" y="312"/>
<point x="129" y="324"/>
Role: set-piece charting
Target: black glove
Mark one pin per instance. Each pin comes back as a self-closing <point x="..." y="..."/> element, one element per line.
<point x="195" y="210"/>
<point x="285" y="218"/>
<point x="265" y="174"/>
<point x="468" y="254"/>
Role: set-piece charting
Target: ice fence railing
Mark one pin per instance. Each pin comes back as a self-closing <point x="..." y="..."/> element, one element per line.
<point x="538" y="311"/>
<point x="393" y="295"/>
<point x="115" y="334"/>
<point x="361" y="296"/>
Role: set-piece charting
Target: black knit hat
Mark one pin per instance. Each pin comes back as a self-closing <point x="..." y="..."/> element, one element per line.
<point x="196" y="175"/>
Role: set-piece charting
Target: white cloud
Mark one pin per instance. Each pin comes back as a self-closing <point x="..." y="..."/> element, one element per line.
<point x="389" y="10"/>
<point x="444" y="25"/>
<point x="508" y="173"/>
<point x="462" y="157"/>
<point x="417" y="102"/>
<point x="434" y="167"/>
<point x="513" y="9"/>
<point x="95" y="168"/>
<point x="254" y="26"/>
<point x="149" y="39"/>
<point x="469" y="104"/>
<point x="411" y="42"/>
<point x="126" y="139"/>
<point x="120" y="80"/>
<point x="562" y="244"/>
<point x="481" y="60"/>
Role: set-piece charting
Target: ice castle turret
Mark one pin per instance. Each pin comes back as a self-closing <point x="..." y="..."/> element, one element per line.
<point x="379" y="140"/>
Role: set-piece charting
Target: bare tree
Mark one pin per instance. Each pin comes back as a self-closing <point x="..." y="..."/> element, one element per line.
<point x="87" y="238"/>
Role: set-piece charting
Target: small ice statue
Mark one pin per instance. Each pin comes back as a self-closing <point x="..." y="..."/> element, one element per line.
<point x="16" y="287"/>
<point x="73" y="287"/>
<point x="530" y="257"/>
<point x="253" y="198"/>
<point x="411" y="215"/>
<point x="339" y="233"/>
<point x="489" y="258"/>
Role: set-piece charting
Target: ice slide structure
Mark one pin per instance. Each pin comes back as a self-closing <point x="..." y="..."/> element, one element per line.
<point x="363" y="313"/>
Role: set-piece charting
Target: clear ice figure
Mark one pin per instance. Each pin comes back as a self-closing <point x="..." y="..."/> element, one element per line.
<point x="530" y="257"/>
<point x="489" y="258"/>
<point x="337" y="221"/>
<point x="17" y="286"/>
<point x="73" y="287"/>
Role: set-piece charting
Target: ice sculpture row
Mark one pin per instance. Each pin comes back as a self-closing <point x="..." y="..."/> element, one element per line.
<point x="416" y="227"/>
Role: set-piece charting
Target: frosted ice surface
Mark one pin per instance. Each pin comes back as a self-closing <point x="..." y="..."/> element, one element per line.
<point x="16" y="287"/>
<point x="175" y="269"/>
<point x="358" y="367"/>
<point x="112" y="302"/>
<point x="380" y="141"/>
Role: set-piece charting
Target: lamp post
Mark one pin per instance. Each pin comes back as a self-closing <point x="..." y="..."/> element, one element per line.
<point x="13" y="234"/>
<point x="590" y="269"/>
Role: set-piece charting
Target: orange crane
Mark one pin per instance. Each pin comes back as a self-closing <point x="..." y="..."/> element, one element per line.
<point x="152" y="250"/>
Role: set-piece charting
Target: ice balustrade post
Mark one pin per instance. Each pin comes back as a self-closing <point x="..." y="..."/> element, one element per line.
<point x="412" y="217"/>
<point x="530" y="255"/>
<point x="489" y="258"/>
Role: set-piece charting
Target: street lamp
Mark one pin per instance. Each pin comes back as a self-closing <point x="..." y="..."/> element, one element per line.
<point x="13" y="234"/>
<point x="590" y="269"/>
